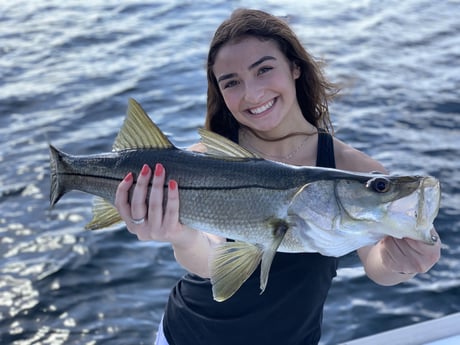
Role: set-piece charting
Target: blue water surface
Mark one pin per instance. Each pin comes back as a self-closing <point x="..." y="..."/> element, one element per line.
<point x="67" y="69"/>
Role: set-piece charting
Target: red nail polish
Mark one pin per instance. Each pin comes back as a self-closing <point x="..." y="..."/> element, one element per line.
<point x="145" y="170"/>
<point x="129" y="177"/>
<point x="172" y="185"/>
<point x="159" y="169"/>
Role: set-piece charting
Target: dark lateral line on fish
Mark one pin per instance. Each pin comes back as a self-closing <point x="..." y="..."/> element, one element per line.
<point x="227" y="188"/>
<point x="182" y="186"/>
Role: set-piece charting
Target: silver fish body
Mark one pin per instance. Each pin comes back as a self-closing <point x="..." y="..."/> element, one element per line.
<point x="265" y="206"/>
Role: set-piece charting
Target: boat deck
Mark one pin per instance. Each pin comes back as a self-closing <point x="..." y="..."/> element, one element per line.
<point x="442" y="331"/>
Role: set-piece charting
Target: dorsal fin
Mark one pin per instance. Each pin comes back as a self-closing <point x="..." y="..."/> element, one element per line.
<point x="139" y="131"/>
<point x="217" y="145"/>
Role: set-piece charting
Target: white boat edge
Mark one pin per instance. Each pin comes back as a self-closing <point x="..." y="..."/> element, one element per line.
<point x="442" y="331"/>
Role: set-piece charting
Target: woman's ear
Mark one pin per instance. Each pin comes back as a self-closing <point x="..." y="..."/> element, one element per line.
<point x="296" y="71"/>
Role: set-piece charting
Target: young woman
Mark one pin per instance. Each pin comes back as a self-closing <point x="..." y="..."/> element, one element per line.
<point x="266" y="93"/>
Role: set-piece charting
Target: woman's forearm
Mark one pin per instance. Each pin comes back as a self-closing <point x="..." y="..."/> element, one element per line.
<point x="193" y="254"/>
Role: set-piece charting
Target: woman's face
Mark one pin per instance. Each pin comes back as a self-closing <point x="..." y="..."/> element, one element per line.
<point x="257" y="83"/>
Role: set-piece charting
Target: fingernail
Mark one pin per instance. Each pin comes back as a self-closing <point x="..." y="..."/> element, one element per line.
<point x="172" y="185"/>
<point x="145" y="170"/>
<point x="129" y="177"/>
<point x="159" y="169"/>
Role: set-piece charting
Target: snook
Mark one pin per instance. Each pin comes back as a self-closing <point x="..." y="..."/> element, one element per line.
<point x="263" y="205"/>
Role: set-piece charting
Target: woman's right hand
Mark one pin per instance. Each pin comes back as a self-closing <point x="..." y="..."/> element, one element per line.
<point x="161" y="222"/>
<point x="158" y="224"/>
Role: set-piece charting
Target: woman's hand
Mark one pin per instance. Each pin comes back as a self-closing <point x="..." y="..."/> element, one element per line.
<point x="145" y="219"/>
<point x="409" y="256"/>
<point x="393" y="260"/>
<point x="156" y="221"/>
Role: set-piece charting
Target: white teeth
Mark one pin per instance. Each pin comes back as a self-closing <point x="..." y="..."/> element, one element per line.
<point x="261" y="109"/>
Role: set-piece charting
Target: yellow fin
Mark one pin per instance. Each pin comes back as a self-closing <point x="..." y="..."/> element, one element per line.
<point x="231" y="266"/>
<point x="233" y="262"/>
<point x="104" y="215"/>
<point x="219" y="146"/>
<point x="139" y="131"/>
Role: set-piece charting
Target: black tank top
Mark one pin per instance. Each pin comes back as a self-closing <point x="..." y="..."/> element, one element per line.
<point x="289" y="312"/>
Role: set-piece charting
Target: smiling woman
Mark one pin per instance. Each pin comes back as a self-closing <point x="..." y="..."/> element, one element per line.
<point x="257" y="83"/>
<point x="263" y="90"/>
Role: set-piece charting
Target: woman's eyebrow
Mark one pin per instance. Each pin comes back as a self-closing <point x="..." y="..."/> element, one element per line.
<point x="260" y="61"/>
<point x="253" y="65"/>
<point x="226" y="76"/>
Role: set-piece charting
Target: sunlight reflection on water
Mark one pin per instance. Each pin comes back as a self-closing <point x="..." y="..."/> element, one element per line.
<point x="68" y="69"/>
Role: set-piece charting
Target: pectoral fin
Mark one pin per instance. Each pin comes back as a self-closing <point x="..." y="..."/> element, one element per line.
<point x="280" y="227"/>
<point x="234" y="262"/>
<point x="104" y="215"/>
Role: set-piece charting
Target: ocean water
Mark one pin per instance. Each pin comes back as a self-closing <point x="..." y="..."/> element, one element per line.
<point x="67" y="70"/>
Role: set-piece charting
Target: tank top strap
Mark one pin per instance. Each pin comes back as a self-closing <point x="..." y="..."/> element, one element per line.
<point x="325" y="154"/>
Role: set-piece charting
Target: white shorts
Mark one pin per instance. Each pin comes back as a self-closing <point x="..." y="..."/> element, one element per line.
<point x="161" y="339"/>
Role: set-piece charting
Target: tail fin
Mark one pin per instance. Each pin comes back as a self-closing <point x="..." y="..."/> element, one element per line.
<point x="57" y="189"/>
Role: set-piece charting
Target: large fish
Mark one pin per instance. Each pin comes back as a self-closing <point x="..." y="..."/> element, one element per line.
<point x="264" y="206"/>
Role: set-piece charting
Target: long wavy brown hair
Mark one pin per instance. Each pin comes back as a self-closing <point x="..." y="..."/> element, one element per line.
<point x="312" y="89"/>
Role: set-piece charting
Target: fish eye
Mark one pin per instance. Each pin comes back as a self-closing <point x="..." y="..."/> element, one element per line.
<point x="379" y="184"/>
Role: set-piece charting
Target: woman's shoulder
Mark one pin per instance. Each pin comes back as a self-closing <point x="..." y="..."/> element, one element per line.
<point x="349" y="158"/>
<point x="197" y="147"/>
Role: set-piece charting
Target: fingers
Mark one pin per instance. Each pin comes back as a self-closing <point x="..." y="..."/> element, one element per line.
<point x="138" y="200"/>
<point x="134" y="213"/>
<point x="408" y="255"/>
<point x="160" y="219"/>
<point x="424" y="256"/>
<point x="122" y="197"/>
<point x="163" y="216"/>
<point x="171" y="216"/>
<point x="155" y="208"/>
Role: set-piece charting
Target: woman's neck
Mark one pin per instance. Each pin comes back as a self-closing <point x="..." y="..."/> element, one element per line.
<point x="290" y="148"/>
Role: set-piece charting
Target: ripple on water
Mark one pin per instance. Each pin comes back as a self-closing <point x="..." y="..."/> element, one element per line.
<point x="67" y="70"/>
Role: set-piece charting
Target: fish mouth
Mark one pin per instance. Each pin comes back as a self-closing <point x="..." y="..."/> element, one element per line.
<point x="421" y="208"/>
<point x="429" y="202"/>
<point x="262" y="108"/>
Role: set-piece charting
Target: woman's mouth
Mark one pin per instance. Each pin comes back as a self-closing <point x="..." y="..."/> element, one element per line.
<point x="262" y="108"/>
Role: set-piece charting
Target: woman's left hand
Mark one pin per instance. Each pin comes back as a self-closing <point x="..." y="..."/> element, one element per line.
<point x="392" y="260"/>
<point x="409" y="256"/>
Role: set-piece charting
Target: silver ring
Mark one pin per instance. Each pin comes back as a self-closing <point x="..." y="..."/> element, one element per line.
<point x="138" y="221"/>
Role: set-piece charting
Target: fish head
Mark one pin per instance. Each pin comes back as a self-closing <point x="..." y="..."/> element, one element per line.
<point x="398" y="206"/>
<point x="344" y="212"/>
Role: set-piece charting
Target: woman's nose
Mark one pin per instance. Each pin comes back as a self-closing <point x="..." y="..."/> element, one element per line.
<point x="253" y="93"/>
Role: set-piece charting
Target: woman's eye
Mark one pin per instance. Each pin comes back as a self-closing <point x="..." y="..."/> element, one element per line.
<point x="230" y="83"/>
<point x="263" y="70"/>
